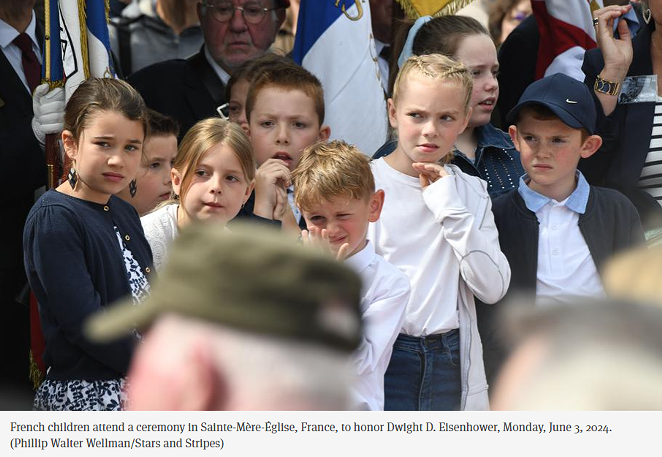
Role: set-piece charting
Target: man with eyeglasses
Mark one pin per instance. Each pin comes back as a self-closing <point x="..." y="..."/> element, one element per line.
<point x="234" y="31"/>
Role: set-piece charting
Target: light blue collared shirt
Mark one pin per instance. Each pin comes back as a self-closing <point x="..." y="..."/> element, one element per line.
<point x="576" y="201"/>
<point x="565" y="266"/>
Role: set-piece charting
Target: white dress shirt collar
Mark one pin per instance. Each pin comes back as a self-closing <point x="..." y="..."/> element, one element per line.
<point x="362" y="259"/>
<point x="8" y="33"/>
<point x="222" y="74"/>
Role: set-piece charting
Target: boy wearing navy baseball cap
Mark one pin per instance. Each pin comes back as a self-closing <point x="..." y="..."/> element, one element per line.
<point x="556" y="230"/>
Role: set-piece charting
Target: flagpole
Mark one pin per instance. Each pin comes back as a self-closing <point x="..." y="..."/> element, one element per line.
<point x="53" y="162"/>
<point x="54" y="173"/>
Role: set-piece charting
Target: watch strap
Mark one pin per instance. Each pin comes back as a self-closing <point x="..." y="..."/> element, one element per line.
<point x="605" y="86"/>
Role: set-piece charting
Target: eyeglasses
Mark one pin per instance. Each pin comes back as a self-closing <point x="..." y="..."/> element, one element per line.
<point x="224" y="11"/>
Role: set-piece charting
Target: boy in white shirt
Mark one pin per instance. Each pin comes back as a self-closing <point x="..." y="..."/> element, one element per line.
<point x="335" y="191"/>
<point x="556" y="230"/>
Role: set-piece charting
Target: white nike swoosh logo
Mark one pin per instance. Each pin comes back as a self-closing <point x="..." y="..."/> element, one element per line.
<point x="570" y="101"/>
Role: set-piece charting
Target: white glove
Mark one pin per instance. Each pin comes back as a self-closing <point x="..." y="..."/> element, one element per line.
<point x="48" y="109"/>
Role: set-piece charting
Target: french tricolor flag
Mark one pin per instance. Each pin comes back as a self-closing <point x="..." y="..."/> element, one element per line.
<point x="334" y="42"/>
<point x="77" y="45"/>
<point x="566" y="33"/>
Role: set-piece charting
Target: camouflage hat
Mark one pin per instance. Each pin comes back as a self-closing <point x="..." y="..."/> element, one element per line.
<point x="252" y="279"/>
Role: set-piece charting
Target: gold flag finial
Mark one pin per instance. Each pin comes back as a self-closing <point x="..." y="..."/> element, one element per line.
<point x="417" y="8"/>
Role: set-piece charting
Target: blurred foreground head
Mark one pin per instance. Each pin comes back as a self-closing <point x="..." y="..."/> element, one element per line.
<point x="247" y="320"/>
<point x="588" y="356"/>
<point x="636" y="275"/>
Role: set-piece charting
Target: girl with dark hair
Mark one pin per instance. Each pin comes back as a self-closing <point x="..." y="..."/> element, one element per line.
<point x="84" y="248"/>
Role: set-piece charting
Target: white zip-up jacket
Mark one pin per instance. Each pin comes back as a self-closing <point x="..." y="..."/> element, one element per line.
<point x="445" y="240"/>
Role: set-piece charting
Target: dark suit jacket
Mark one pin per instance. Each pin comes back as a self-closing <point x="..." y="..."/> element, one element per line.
<point x="626" y="134"/>
<point x="25" y="171"/>
<point x="188" y="90"/>
<point x="517" y="66"/>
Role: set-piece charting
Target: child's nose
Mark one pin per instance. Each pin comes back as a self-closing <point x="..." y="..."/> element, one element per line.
<point x="282" y="134"/>
<point x="115" y="160"/>
<point x="492" y="82"/>
<point x="332" y="228"/>
<point x="216" y="185"/>
<point x="544" y="151"/>
<point x="167" y="176"/>
<point x="430" y="129"/>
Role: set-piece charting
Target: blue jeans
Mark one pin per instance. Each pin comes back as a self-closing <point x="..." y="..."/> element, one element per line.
<point x="424" y="374"/>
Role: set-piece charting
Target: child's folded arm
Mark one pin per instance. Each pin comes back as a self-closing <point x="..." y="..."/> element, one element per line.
<point x="483" y="266"/>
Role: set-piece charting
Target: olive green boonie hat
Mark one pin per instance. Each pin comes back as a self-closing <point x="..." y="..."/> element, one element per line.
<point x="251" y="279"/>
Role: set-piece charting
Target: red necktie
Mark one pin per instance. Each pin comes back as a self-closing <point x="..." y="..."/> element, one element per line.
<point x="31" y="66"/>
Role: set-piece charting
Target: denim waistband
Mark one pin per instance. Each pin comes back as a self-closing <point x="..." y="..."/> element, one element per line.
<point x="437" y="340"/>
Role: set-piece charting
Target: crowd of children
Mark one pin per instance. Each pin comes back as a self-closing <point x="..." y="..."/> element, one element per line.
<point x="441" y="230"/>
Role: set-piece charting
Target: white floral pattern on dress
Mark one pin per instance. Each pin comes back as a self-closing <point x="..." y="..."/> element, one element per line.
<point x="79" y="395"/>
<point x="108" y="395"/>
<point x="137" y="280"/>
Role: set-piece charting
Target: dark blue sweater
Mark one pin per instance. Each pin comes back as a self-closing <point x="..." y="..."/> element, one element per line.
<point x="75" y="267"/>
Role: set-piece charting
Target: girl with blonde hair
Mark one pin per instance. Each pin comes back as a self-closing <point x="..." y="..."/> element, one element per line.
<point x="212" y="177"/>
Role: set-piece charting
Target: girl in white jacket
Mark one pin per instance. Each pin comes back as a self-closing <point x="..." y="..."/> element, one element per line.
<point x="437" y="227"/>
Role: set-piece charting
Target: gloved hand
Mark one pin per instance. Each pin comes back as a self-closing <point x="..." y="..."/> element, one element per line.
<point x="48" y="109"/>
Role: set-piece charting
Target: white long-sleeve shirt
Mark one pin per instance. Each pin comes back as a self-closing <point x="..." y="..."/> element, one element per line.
<point x="444" y="239"/>
<point x="384" y="298"/>
<point x="160" y="228"/>
<point x="431" y="236"/>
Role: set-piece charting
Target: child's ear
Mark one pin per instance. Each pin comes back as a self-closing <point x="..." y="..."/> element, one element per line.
<point x="590" y="146"/>
<point x="249" y="191"/>
<point x="69" y="143"/>
<point x="375" y="206"/>
<point x="176" y="181"/>
<point x="512" y="131"/>
<point x="467" y="118"/>
<point x="324" y="133"/>
<point x="391" y="114"/>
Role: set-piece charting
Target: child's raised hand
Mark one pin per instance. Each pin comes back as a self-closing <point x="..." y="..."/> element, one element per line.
<point x="281" y="203"/>
<point x="429" y="173"/>
<point x="271" y="176"/>
<point x="319" y="239"/>
<point x="282" y="211"/>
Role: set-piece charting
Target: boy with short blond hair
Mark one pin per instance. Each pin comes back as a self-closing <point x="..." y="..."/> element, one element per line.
<point x="335" y="190"/>
<point x="285" y="113"/>
<point x="556" y="230"/>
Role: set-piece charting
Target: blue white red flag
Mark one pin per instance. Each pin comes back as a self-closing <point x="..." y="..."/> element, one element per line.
<point x="566" y="33"/>
<point x="76" y="44"/>
<point x="334" y="41"/>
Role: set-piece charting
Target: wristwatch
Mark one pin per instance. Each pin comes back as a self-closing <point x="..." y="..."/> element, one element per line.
<point x="606" y="87"/>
